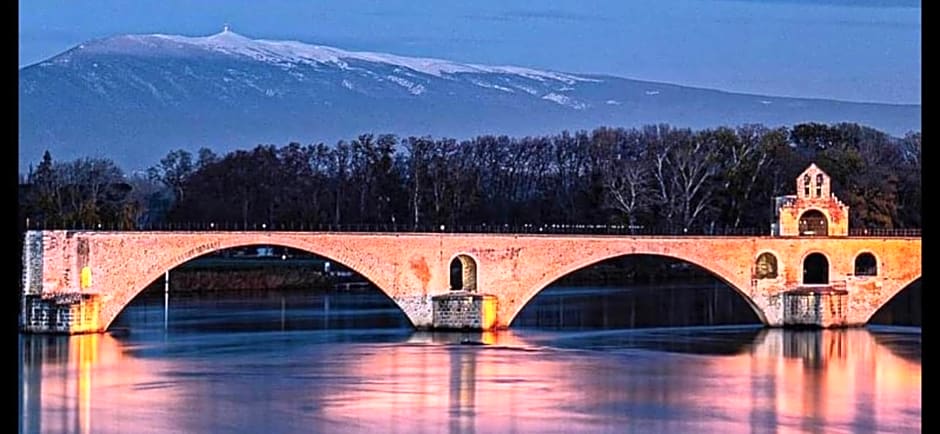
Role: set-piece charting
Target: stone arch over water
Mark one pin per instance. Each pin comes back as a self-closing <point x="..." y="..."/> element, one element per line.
<point x="182" y="249"/>
<point x="718" y="271"/>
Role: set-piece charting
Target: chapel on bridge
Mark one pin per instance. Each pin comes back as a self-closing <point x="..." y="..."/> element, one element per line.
<point x="813" y="211"/>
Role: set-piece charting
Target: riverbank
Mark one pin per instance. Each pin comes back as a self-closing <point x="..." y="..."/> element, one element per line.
<point x="225" y="274"/>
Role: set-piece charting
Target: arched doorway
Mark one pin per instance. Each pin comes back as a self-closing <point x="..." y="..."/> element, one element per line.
<point x="814" y="223"/>
<point x="463" y="274"/>
<point x="866" y="265"/>
<point x="815" y="269"/>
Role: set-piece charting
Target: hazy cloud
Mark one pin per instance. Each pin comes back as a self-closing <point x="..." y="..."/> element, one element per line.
<point x="848" y="3"/>
<point x="873" y="24"/>
<point x="547" y="15"/>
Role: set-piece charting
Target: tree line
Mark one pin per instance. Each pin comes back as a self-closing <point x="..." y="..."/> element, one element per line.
<point x="654" y="177"/>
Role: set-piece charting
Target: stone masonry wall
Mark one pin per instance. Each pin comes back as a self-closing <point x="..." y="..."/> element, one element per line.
<point x="462" y="310"/>
<point x="69" y="313"/>
<point x="412" y="268"/>
<point x="822" y="308"/>
<point x="32" y="262"/>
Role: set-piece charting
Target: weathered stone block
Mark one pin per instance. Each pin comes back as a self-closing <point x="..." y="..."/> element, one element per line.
<point x="463" y="310"/>
<point x="67" y="313"/>
<point x="817" y="307"/>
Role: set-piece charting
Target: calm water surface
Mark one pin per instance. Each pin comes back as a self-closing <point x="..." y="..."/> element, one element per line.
<point x="350" y="363"/>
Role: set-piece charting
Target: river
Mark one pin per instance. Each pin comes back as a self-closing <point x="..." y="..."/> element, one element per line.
<point x="281" y="362"/>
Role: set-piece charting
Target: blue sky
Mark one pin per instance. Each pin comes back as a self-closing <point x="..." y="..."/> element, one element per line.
<point x="855" y="50"/>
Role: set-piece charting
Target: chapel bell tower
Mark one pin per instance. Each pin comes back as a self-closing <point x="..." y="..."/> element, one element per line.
<point x="813" y="211"/>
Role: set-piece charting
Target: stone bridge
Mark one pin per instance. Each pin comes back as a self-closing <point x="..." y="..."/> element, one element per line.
<point x="113" y="267"/>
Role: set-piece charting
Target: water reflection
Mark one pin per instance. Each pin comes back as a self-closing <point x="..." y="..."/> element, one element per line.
<point x="730" y="379"/>
<point x="819" y="381"/>
<point x="650" y="305"/>
<point x="462" y="391"/>
<point x="59" y="369"/>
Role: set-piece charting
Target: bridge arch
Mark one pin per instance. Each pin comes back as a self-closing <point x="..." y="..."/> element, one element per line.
<point x="815" y="268"/>
<point x="866" y="264"/>
<point x="717" y="271"/>
<point x="116" y="301"/>
<point x="887" y="297"/>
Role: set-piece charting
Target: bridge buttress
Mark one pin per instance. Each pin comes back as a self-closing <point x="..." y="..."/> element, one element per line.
<point x="50" y="302"/>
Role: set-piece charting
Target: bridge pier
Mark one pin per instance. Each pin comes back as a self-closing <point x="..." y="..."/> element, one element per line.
<point x="823" y="307"/>
<point x="62" y="313"/>
<point x="839" y="303"/>
<point x="464" y="310"/>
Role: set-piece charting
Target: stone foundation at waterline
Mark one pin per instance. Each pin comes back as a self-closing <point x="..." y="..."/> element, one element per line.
<point x="464" y="310"/>
<point x="66" y="313"/>
<point x="815" y="307"/>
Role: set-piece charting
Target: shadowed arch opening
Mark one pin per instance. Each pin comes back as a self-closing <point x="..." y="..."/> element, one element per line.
<point x="813" y="223"/>
<point x="866" y="265"/>
<point x="261" y="288"/>
<point x="816" y="269"/>
<point x="904" y="309"/>
<point x="634" y="291"/>
<point x="766" y="266"/>
<point x="463" y="274"/>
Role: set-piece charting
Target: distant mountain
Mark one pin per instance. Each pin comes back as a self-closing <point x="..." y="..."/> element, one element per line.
<point x="132" y="98"/>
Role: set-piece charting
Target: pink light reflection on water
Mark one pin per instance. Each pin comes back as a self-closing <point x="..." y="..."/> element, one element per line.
<point x="824" y="381"/>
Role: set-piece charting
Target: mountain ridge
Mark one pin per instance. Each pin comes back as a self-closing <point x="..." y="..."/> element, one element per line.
<point x="133" y="98"/>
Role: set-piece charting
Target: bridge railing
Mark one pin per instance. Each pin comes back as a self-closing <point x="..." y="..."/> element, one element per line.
<point x="533" y="228"/>
<point x="881" y="232"/>
<point x="547" y="229"/>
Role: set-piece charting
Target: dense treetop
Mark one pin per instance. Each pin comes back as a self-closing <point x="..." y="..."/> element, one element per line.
<point x="657" y="176"/>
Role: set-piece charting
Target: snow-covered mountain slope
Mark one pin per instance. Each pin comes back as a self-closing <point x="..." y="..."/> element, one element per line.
<point x="132" y="98"/>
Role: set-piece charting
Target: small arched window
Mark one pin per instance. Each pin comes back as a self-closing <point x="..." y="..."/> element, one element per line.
<point x="766" y="266"/>
<point x="806" y="185"/>
<point x="819" y="183"/>
<point x="463" y="274"/>
<point x="866" y="265"/>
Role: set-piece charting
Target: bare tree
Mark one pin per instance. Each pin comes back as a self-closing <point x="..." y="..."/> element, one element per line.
<point x="627" y="191"/>
<point x="744" y="162"/>
<point x="693" y="164"/>
<point x="418" y="150"/>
